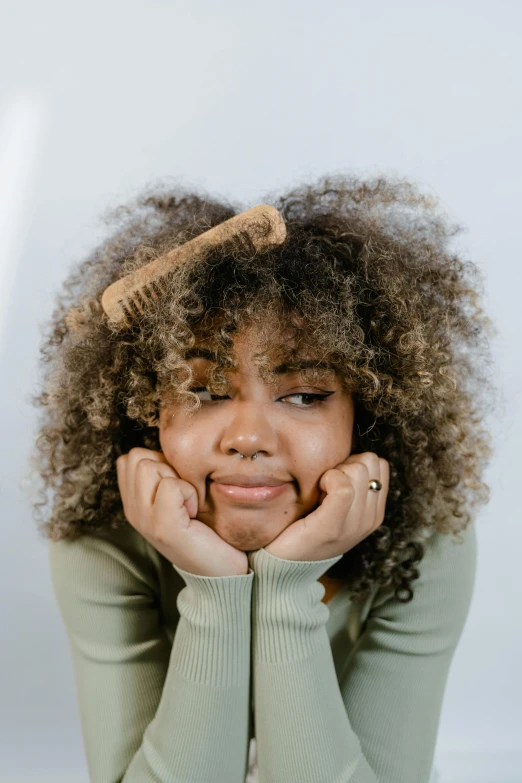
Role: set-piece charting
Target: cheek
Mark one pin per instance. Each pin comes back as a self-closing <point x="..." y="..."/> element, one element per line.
<point x="183" y="445"/>
<point x="328" y="444"/>
<point x="322" y="450"/>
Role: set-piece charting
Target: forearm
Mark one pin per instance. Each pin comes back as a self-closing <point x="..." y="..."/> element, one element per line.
<point x="200" y="729"/>
<point x="302" y="728"/>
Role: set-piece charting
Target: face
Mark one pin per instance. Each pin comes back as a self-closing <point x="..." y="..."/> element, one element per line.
<point x="297" y="437"/>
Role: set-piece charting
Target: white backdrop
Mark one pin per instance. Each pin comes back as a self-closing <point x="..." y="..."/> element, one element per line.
<point x="99" y="99"/>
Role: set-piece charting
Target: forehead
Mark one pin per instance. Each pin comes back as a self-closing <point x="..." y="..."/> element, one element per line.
<point x="290" y="365"/>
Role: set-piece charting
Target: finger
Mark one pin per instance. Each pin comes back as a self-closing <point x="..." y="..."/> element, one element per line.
<point x="372" y="498"/>
<point x="138" y="453"/>
<point x="341" y="495"/>
<point x="132" y="461"/>
<point x="383" y="493"/>
<point x="120" y="471"/>
<point x="176" y="503"/>
<point x="123" y="482"/>
<point x="126" y="467"/>
<point x="157" y="455"/>
<point x="362" y="512"/>
<point x="147" y="476"/>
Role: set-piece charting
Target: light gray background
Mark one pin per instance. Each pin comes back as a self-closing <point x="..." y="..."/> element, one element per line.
<point x="99" y="99"/>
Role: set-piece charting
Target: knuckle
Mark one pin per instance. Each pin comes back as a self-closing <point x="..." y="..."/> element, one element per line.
<point x="167" y="485"/>
<point x="139" y="450"/>
<point x="347" y="488"/>
<point x="368" y="456"/>
<point x="360" y="469"/>
<point x="170" y="481"/>
<point x="145" y="464"/>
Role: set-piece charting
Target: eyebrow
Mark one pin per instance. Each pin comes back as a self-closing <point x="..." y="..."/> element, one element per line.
<point x="281" y="369"/>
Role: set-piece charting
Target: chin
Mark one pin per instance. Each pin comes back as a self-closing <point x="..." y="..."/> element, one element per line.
<point x="244" y="541"/>
<point x="244" y="537"/>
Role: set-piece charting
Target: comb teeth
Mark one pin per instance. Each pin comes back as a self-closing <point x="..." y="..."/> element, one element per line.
<point x="140" y="299"/>
<point x="156" y="286"/>
<point x="126" y="298"/>
<point x="128" y="308"/>
<point x="135" y="303"/>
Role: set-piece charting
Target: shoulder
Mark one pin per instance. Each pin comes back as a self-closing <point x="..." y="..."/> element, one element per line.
<point x="443" y="591"/>
<point x="108" y="557"/>
<point x="449" y="562"/>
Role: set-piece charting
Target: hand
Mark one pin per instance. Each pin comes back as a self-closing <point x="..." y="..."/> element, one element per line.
<point x="348" y="511"/>
<point x="162" y="507"/>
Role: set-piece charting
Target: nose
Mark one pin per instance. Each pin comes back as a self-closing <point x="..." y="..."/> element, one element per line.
<point x="249" y="431"/>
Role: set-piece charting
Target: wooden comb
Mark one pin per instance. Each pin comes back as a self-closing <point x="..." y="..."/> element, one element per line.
<point x="127" y="297"/>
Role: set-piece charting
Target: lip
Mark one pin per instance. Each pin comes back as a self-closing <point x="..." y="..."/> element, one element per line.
<point x="253" y="494"/>
<point x="243" y="480"/>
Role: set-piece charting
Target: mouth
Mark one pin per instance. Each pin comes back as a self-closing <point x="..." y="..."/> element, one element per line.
<point x="245" y="480"/>
<point x="255" y="494"/>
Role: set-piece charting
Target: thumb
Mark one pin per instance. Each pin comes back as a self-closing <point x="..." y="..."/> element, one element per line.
<point x="191" y="499"/>
<point x="339" y="491"/>
<point x="188" y="494"/>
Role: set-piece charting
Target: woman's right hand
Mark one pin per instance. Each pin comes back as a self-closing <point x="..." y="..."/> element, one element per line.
<point x="162" y="507"/>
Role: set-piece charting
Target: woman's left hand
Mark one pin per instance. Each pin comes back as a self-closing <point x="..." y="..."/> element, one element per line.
<point x="348" y="512"/>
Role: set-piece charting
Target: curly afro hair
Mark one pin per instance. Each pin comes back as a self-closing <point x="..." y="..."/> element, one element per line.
<point x="365" y="276"/>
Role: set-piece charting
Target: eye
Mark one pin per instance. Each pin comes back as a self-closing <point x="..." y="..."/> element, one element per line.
<point x="312" y="399"/>
<point x="204" y="389"/>
<point x="316" y="398"/>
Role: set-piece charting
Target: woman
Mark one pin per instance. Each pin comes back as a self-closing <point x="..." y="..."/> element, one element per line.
<point x="342" y="365"/>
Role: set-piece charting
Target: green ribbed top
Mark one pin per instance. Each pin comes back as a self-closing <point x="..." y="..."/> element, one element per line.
<point x="176" y="673"/>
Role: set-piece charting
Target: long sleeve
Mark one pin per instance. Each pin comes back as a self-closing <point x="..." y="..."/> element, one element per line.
<point x="378" y="723"/>
<point x="154" y="712"/>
